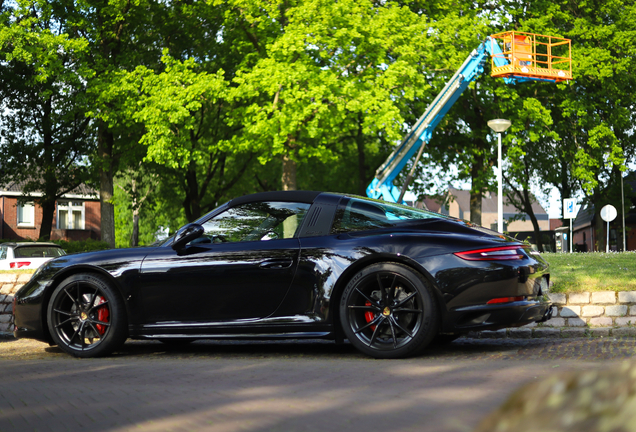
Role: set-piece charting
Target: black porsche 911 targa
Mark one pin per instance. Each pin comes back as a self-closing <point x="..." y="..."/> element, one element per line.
<point x="389" y="278"/>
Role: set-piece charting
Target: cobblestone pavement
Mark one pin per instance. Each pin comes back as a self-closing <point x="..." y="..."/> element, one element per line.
<point x="306" y="386"/>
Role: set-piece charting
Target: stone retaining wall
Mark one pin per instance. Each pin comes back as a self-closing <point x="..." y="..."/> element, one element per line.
<point x="596" y="309"/>
<point x="10" y="283"/>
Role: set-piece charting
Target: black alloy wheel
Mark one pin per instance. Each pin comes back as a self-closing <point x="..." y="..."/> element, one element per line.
<point x="388" y="311"/>
<point x="86" y="316"/>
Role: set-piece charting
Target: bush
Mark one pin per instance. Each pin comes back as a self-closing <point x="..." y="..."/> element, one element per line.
<point x="82" y="245"/>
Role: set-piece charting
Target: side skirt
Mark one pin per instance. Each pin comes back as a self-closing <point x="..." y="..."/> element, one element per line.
<point x="242" y="336"/>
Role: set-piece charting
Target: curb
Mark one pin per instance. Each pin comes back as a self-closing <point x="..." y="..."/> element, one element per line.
<point x="555" y="333"/>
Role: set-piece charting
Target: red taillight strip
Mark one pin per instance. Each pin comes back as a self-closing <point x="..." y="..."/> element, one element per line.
<point x="505" y="300"/>
<point x="492" y="254"/>
<point x="19" y="264"/>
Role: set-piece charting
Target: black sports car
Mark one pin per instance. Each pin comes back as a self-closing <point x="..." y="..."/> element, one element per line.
<point x="389" y="278"/>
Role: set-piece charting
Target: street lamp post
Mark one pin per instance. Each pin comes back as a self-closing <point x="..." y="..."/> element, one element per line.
<point x="499" y="126"/>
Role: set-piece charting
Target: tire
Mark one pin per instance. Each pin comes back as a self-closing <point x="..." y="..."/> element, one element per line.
<point x="86" y="317"/>
<point x="388" y="311"/>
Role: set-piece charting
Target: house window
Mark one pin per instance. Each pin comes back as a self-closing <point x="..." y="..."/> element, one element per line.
<point x="26" y="214"/>
<point x="70" y="215"/>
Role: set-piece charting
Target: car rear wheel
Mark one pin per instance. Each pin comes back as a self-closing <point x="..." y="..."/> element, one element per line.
<point x="388" y="311"/>
<point x="86" y="316"/>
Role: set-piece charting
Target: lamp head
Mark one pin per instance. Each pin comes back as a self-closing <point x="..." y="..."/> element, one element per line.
<point x="499" y="125"/>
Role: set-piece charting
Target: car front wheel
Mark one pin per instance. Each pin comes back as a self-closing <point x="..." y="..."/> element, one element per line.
<point x="86" y="316"/>
<point x="388" y="311"/>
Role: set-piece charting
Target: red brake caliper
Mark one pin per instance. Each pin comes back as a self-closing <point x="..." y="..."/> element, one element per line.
<point x="102" y="315"/>
<point x="369" y="316"/>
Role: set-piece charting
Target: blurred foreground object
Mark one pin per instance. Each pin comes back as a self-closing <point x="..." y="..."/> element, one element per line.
<point x="599" y="401"/>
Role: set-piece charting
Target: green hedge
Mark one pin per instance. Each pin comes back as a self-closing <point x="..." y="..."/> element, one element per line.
<point x="74" y="246"/>
<point x="82" y="245"/>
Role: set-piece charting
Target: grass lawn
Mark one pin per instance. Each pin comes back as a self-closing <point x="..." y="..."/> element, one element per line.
<point x="594" y="271"/>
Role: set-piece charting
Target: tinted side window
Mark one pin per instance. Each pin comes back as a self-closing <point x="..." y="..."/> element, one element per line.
<point x="366" y="214"/>
<point x="255" y="221"/>
<point x="3" y="252"/>
<point x="359" y="215"/>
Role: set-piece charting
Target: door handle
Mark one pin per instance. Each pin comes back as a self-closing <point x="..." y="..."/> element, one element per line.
<point x="277" y="263"/>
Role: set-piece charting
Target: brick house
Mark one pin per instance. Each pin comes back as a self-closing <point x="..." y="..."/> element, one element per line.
<point x="587" y="239"/>
<point x="459" y="207"/>
<point x="516" y="224"/>
<point x="77" y="215"/>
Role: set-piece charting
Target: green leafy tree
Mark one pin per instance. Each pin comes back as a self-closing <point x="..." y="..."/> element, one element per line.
<point x="45" y="135"/>
<point x="329" y="75"/>
<point x="183" y="112"/>
<point x="595" y="115"/>
<point x="460" y="140"/>
<point x="120" y="38"/>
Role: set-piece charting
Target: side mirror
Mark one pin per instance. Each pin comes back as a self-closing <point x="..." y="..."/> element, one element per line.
<point x="186" y="234"/>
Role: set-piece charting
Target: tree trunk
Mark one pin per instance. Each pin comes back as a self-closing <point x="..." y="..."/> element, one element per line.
<point x="289" y="173"/>
<point x="533" y="219"/>
<point x="362" y="166"/>
<point x="48" y="210"/>
<point x="192" y="201"/>
<point x="134" y="238"/>
<point x="476" y="193"/>
<point x="107" y="209"/>
<point x="475" y="206"/>
<point x="600" y="231"/>
<point x="47" y="202"/>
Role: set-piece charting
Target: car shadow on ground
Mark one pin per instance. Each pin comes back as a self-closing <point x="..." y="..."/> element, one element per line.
<point x="461" y="349"/>
<point x="299" y="348"/>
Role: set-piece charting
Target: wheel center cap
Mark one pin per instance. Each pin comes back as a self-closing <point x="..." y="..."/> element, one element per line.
<point x="83" y="316"/>
<point x="386" y="311"/>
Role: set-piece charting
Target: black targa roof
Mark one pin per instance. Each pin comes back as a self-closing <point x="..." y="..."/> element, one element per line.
<point x="283" y="196"/>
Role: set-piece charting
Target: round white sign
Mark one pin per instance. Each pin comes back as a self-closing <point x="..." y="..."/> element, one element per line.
<point x="608" y="213"/>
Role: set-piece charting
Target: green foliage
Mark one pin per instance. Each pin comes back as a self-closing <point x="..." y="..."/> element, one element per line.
<point x="45" y="135"/>
<point x="331" y="69"/>
<point x="169" y="104"/>
<point x="206" y="98"/>
<point x="82" y="245"/>
<point x="161" y="210"/>
<point x="73" y="246"/>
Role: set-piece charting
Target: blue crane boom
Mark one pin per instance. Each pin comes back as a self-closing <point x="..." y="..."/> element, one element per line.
<point x="382" y="185"/>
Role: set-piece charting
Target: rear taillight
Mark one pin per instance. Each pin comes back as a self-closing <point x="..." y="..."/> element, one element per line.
<point x="18" y="264"/>
<point x="505" y="300"/>
<point x="493" y="254"/>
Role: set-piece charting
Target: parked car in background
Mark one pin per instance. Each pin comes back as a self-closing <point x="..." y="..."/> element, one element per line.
<point x="27" y="255"/>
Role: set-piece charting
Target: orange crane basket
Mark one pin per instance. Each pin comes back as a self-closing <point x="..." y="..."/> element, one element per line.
<point x="532" y="56"/>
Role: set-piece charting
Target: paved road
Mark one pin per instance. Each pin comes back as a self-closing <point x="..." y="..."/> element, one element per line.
<point x="311" y="386"/>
